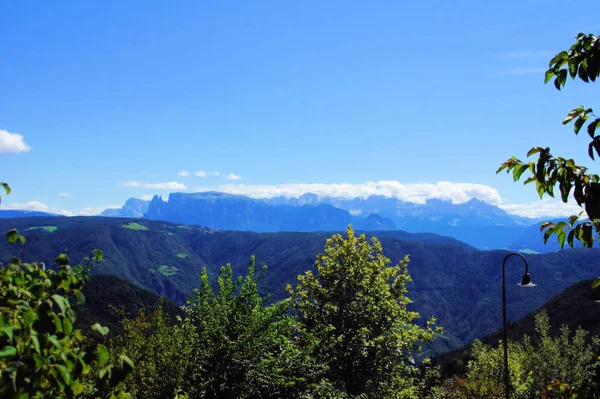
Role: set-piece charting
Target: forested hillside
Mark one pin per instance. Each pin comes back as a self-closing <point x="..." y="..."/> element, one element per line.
<point x="455" y="283"/>
<point x="577" y="306"/>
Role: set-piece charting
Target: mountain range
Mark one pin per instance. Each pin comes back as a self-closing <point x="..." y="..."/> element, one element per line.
<point x="452" y="281"/>
<point x="475" y="222"/>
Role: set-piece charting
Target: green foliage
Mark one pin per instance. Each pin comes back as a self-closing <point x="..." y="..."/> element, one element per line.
<point x="181" y="255"/>
<point x="581" y="61"/>
<point x="245" y="348"/>
<point x="136" y="226"/>
<point x="6" y="189"/>
<point x="41" y="354"/>
<point x="355" y="309"/>
<point x="575" y="307"/>
<point x="162" y="352"/>
<point x="542" y="366"/>
<point x="464" y="314"/>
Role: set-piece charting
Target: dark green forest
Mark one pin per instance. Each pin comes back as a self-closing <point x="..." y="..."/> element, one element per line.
<point x="453" y="282"/>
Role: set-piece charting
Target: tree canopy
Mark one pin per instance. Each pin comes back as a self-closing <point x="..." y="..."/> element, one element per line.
<point x="582" y="62"/>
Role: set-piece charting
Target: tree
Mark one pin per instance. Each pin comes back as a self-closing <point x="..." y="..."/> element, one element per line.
<point x="41" y="354"/>
<point x="540" y="366"/>
<point x="162" y="352"/>
<point x="244" y="347"/>
<point x="581" y="61"/>
<point x="355" y="307"/>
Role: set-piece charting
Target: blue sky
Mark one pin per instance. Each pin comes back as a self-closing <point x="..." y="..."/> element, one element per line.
<point x="114" y="99"/>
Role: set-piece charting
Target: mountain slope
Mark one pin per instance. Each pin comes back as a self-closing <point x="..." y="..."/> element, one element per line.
<point x="456" y="283"/>
<point x="104" y="294"/>
<point x="577" y="306"/>
<point x="133" y="208"/>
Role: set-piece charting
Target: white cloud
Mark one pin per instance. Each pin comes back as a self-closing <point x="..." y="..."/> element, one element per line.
<point x="12" y="143"/>
<point x="410" y="192"/>
<point x="233" y="176"/>
<point x="64" y="195"/>
<point x="93" y="210"/>
<point x="184" y="173"/>
<point x="216" y="173"/>
<point x="27" y="206"/>
<point x="41" y="207"/>
<point x="200" y="173"/>
<point x="544" y="207"/>
<point x="159" y="186"/>
<point x="146" y="197"/>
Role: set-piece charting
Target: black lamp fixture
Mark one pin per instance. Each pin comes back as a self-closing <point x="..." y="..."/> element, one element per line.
<point x="525" y="283"/>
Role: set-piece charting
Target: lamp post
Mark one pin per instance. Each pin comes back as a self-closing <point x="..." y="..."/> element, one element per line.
<point x="526" y="283"/>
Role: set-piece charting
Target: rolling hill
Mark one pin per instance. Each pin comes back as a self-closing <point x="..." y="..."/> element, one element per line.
<point x="577" y="306"/>
<point x="452" y="281"/>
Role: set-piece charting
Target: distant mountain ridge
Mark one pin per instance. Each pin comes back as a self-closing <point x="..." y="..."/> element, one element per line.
<point x="475" y="222"/>
<point x="13" y="213"/>
<point x="236" y="212"/>
<point x="133" y="208"/>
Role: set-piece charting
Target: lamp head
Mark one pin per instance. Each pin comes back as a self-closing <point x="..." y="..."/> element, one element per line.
<point x="526" y="283"/>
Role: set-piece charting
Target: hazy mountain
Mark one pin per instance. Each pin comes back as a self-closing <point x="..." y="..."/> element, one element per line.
<point x="10" y="213"/>
<point x="532" y="240"/>
<point x="236" y="212"/>
<point x="475" y="222"/>
<point x="133" y="208"/>
<point x="452" y="281"/>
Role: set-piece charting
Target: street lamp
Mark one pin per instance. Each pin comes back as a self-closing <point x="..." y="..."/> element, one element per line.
<point x="526" y="283"/>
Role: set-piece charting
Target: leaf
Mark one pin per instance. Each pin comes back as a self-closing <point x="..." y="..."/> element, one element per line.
<point x="561" y="239"/>
<point x="64" y="373"/>
<point x="582" y="73"/>
<point x="6" y="188"/>
<point x="8" y="351"/>
<point x="558" y="57"/>
<point x="579" y="123"/>
<point x="61" y="301"/>
<point x="596" y="283"/>
<point x="549" y="75"/>
<point x="534" y="150"/>
<point x="519" y="170"/>
<point x="67" y="327"/>
<point x="126" y="364"/>
<point x="544" y="225"/>
<point x="548" y="233"/>
<point x="7" y="330"/>
<point x="98" y="328"/>
<point x="98" y="254"/>
<point x="38" y="359"/>
<point x="571" y="115"/>
<point x="12" y="236"/>
<point x="571" y="237"/>
<point x="591" y="129"/>
<point x="62" y="260"/>
<point x="102" y="353"/>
